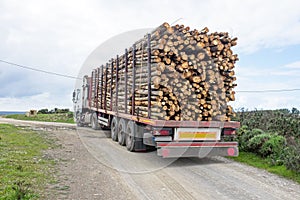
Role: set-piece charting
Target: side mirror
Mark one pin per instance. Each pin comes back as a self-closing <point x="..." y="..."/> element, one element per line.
<point x="74" y="95"/>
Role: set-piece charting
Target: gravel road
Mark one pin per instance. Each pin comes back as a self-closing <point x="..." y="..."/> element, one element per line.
<point x="92" y="166"/>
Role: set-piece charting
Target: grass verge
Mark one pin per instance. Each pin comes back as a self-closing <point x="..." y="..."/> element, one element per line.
<point x="56" y="117"/>
<point x="263" y="163"/>
<point x="24" y="171"/>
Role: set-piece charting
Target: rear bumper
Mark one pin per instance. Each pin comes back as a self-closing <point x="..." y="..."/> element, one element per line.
<point x="196" y="149"/>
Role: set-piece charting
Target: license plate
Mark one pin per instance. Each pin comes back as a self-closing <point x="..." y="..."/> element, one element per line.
<point x="197" y="134"/>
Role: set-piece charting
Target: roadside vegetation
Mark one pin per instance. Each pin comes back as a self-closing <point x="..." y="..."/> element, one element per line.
<point x="270" y="139"/>
<point x="24" y="171"/>
<point x="55" y="115"/>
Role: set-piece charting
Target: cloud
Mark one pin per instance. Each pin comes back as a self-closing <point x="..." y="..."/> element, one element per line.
<point x="58" y="36"/>
<point x="267" y="100"/>
<point x="293" y="65"/>
<point x="289" y="70"/>
<point x="37" y="101"/>
<point x="261" y="78"/>
<point x="286" y="73"/>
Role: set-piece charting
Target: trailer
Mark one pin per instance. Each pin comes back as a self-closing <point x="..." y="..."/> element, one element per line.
<point x="108" y="100"/>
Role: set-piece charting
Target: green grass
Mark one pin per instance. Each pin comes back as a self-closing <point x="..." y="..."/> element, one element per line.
<point x="263" y="163"/>
<point x="23" y="169"/>
<point x="57" y="117"/>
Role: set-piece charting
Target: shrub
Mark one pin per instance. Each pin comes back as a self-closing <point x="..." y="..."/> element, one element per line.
<point x="245" y="137"/>
<point x="291" y="157"/>
<point x="256" y="143"/>
<point x="43" y="111"/>
<point x="273" y="147"/>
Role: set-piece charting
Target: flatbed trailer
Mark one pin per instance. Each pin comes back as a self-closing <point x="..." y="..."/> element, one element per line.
<point x="171" y="138"/>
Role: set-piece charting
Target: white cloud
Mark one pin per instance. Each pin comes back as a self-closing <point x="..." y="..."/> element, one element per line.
<point x="286" y="73"/>
<point x="260" y="78"/>
<point x="59" y="35"/>
<point x="293" y="65"/>
<point x="38" y="101"/>
<point x="267" y="100"/>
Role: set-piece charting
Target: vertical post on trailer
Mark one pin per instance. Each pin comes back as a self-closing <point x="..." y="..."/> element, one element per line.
<point x="133" y="81"/>
<point x="105" y="93"/>
<point x="94" y="88"/>
<point x="111" y="83"/>
<point x="149" y="75"/>
<point x="101" y="87"/>
<point x="97" y="90"/>
<point x="126" y="78"/>
<point x="92" y="94"/>
<point x="117" y="83"/>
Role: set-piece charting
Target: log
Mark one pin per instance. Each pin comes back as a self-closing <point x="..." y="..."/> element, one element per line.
<point x="192" y="74"/>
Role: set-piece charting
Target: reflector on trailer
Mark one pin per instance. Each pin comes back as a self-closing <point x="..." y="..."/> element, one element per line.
<point x="230" y="151"/>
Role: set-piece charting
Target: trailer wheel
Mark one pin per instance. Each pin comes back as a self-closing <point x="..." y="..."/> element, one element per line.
<point x="79" y="124"/>
<point x="121" y="132"/>
<point x="94" y="122"/>
<point x="78" y="120"/>
<point x="130" y="140"/>
<point x="114" y="129"/>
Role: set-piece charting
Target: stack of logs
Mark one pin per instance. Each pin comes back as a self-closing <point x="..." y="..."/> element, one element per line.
<point x="192" y="76"/>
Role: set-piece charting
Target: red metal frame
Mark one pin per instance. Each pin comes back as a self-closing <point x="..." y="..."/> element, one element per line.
<point x="197" y="144"/>
<point x="172" y="123"/>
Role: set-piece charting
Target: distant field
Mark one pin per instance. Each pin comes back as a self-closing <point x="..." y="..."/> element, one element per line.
<point x="56" y="117"/>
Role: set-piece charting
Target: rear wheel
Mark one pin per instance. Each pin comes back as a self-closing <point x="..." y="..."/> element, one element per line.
<point x="114" y="129"/>
<point x="94" y="122"/>
<point x="134" y="137"/>
<point x="121" y="132"/>
<point x="130" y="139"/>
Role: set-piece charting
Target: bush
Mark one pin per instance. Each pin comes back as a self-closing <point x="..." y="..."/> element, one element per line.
<point x="256" y="143"/>
<point x="273" y="147"/>
<point x="70" y="114"/>
<point x="43" y="111"/>
<point x="53" y="111"/>
<point x="282" y="148"/>
<point x="245" y="137"/>
<point x="282" y="121"/>
<point x="291" y="157"/>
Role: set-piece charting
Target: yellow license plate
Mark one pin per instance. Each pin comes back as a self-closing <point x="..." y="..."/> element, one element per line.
<point x="197" y="135"/>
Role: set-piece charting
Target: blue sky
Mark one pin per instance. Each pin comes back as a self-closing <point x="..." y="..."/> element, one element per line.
<point x="58" y="36"/>
<point x="269" y="69"/>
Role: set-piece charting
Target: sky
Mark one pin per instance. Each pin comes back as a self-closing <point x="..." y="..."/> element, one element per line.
<point x="59" y="36"/>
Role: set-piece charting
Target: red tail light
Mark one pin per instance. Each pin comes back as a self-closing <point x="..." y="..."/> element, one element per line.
<point x="229" y="131"/>
<point x="162" y="132"/>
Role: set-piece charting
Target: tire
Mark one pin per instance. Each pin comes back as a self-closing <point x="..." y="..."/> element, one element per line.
<point x="121" y="132"/>
<point x="78" y="120"/>
<point x="114" y="129"/>
<point x="79" y="124"/>
<point x="130" y="139"/>
<point x="94" y="122"/>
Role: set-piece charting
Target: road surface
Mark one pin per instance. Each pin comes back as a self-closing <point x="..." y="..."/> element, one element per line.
<point x="144" y="175"/>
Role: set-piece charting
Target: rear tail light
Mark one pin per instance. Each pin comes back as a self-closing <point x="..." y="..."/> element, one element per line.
<point x="162" y="132"/>
<point x="229" y="131"/>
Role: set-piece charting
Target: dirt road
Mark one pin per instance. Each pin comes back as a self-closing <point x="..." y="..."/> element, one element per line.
<point x="92" y="166"/>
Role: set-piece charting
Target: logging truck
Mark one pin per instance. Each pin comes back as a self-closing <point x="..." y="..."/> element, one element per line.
<point x="168" y="91"/>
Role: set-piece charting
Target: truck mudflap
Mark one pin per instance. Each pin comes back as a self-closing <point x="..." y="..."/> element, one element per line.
<point x="196" y="149"/>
